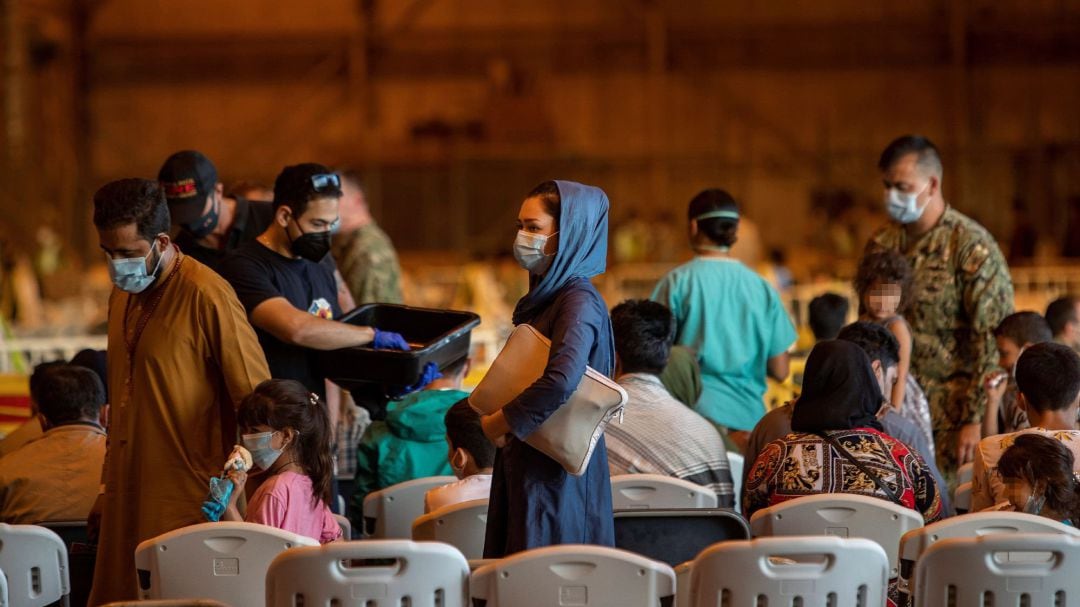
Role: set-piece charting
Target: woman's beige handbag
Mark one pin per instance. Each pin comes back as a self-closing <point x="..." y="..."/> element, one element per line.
<point x="571" y="433"/>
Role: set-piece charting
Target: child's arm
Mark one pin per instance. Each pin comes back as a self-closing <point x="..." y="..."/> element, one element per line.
<point x="899" y="328"/>
<point x="232" y="513"/>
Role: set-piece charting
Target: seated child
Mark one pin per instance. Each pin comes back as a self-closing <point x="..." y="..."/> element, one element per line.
<point x="287" y="430"/>
<point x="1015" y="334"/>
<point x="471" y="456"/>
<point x="1039" y="478"/>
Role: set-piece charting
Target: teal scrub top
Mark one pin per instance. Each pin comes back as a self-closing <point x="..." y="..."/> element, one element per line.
<point x="736" y="322"/>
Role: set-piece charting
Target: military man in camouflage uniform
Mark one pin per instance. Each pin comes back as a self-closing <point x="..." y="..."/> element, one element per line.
<point x="363" y="252"/>
<point x="961" y="291"/>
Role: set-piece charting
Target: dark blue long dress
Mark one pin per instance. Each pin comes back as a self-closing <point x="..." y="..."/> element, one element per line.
<point x="534" y="502"/>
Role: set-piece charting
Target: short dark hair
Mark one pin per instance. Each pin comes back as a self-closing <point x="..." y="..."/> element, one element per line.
<point x="827" y="315"/>
<point x="138" y="201"/>
<point x="929" y="159"/>
<point x="550" y="197"/>
<point x="874" y="339"/>
<point x="464" y="431"/>
<point x="67" y="393"/>
<point x="293" y="187"/>
<point x="722" y="231"/>
<point x="1048" y="375"/>
<point x="1061" y="312"/>
<point x="644" y="331"/>
<point x="1024" y="328"/>
<point x="881" y="267"/>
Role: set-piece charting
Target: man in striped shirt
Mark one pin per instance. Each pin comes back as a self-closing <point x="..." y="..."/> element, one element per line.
<point x="659" y="434"/>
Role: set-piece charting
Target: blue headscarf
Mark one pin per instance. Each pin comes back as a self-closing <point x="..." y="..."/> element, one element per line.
<point x="582" y="253"/>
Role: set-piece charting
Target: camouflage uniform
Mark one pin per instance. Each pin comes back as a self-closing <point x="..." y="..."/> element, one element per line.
<point x="369" y="265"/>
<point x="962" y="290"/>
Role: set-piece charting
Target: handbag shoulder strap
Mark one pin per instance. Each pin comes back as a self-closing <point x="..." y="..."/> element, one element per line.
<point x="862" y="468"/>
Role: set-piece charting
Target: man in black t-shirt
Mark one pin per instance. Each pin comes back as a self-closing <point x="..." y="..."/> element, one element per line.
<point x="285" y="279"/>
<point x="210" y="224"/>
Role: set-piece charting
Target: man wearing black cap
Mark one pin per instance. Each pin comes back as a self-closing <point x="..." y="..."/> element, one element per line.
<point x="285" y="279"/>
<point x="210" y="224"/>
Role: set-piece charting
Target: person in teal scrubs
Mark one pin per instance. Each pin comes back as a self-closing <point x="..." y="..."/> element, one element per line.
<point x="730" y="316"/>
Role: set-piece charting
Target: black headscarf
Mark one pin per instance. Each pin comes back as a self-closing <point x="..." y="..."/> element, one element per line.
<point x="840" y="391"/>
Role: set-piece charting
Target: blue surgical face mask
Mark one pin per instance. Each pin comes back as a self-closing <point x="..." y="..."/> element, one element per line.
<point x="529" y="251"/>
<point x="263" y="455"/>
<point x="904" y="207"/>
<point x="130" y="274"/>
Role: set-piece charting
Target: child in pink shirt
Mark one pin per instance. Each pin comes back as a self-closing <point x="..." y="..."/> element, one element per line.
<point x="287" y="431"/>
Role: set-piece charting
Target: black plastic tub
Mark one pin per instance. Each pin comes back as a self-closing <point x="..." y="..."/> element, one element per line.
<point x="438" y="336"/>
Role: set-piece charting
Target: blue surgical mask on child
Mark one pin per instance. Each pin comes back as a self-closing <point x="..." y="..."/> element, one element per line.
<point x="263" y="455"/>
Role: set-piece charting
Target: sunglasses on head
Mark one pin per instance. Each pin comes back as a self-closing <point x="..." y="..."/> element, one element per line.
<point x="325" y="181"/>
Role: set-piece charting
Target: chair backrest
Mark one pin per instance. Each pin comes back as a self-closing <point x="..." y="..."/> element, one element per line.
<point x="962" y="498"/>
<point x="369" y="573"/>
<point x="791" y="571"/>
<point x="676" y="536"/>
<point x="81" y="556"/>
<point x="682" y="584"/>
<point x="169" y="603"/>
<point x="35" y="561"/>
<point x="648" y="491"/>
<point x="842" y="515"/>
<point x="917" y="541"/>
<point x="965" y="473"/>
<point x="1034" y="570"/>
<point x="462" y="525"/>
<point x="737" y="462"/>
<point x="573" y="575"/>
<point x="346" y="526"/>
<point x="222" y="561"/>
<point x="3" y="590"/>
<point x="389" y="513"/>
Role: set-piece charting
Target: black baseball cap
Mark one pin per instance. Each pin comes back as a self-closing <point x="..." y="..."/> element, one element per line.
<point x="187" y="177"/>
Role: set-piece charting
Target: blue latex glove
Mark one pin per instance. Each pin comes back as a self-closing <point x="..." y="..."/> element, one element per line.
<point x="220" y="491"/>
<point x="431" y="373"/>
<point x="385" y="340"/>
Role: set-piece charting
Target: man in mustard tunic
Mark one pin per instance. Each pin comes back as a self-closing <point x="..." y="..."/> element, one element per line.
<point x="961" y="291"/>
<point x="181" y="356"/>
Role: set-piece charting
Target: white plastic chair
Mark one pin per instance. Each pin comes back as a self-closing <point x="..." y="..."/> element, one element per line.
<point x="737" y="462"/>
<point x="462" y="525"/>
<point x="573" y="575"/>
<point x="223" y="561"/>
<point x="652" y="491"/>
<point x="682" y="584"/>
<point x="369" y="573"/>
<point x="962" y="498"/>
<point x="1034" y="570"/>
<point x="389" y="513"/>
<point x="3" y="590"/>
<point x="346" y="526"/>
<point x="965" y="473"/>
<point x="169" y="603"/>
<point x="917" y="541"/>
<point x="810" y="571"/>
<point x="842" y="515"/>
<point x="35" y="561"/>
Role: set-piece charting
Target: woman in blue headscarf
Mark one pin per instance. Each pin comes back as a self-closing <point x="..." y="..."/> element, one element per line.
<point x="562" y="242"/>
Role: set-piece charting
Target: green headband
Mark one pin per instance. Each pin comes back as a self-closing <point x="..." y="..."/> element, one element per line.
<point x="719" y="215"/>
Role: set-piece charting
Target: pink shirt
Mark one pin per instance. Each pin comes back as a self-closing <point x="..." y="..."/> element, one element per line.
<point x="284" y="501"/>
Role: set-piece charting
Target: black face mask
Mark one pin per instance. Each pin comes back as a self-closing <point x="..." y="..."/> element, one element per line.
<point x="312" y="246"/>
<point x="203" y="226"/>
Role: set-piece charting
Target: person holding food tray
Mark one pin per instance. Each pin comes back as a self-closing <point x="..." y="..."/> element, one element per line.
<point x="562" y="242"/>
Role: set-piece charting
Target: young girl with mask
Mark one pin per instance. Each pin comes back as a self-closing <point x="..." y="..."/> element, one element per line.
<point x="287" y="431"/>
<point x="883" y="284"/>
<point x="1039" y="479"/>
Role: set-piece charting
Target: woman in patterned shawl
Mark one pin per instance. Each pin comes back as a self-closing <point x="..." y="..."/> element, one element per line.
<point x="837" y="444"/>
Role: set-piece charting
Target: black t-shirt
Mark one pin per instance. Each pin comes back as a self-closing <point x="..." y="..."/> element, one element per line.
<point x="258" y="274"/>
<point x="252" y="219"/>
